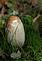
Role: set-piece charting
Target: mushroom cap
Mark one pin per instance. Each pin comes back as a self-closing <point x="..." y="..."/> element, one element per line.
<point x="15" y="27"/>
<point x="12" y="22"/>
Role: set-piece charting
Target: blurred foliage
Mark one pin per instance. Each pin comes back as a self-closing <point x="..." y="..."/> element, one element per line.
<point x="40" y="4"/>
<point x="33" y="42"/>
<point x="32" y="46"/>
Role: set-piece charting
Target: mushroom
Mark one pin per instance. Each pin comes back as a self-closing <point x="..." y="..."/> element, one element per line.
<point x="15" y="31"/>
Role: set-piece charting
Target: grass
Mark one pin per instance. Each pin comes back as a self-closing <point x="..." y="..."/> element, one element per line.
<point x="33" y="43"/>
<point x="32" y="46"/>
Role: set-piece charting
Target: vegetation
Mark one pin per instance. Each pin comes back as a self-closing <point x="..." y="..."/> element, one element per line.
<point x="32" y="49"/>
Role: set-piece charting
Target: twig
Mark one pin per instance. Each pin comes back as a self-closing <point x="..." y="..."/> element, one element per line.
<point x="36" y="18"/>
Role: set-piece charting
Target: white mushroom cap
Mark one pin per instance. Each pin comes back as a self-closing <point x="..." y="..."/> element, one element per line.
<point x="16" y="30"/>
